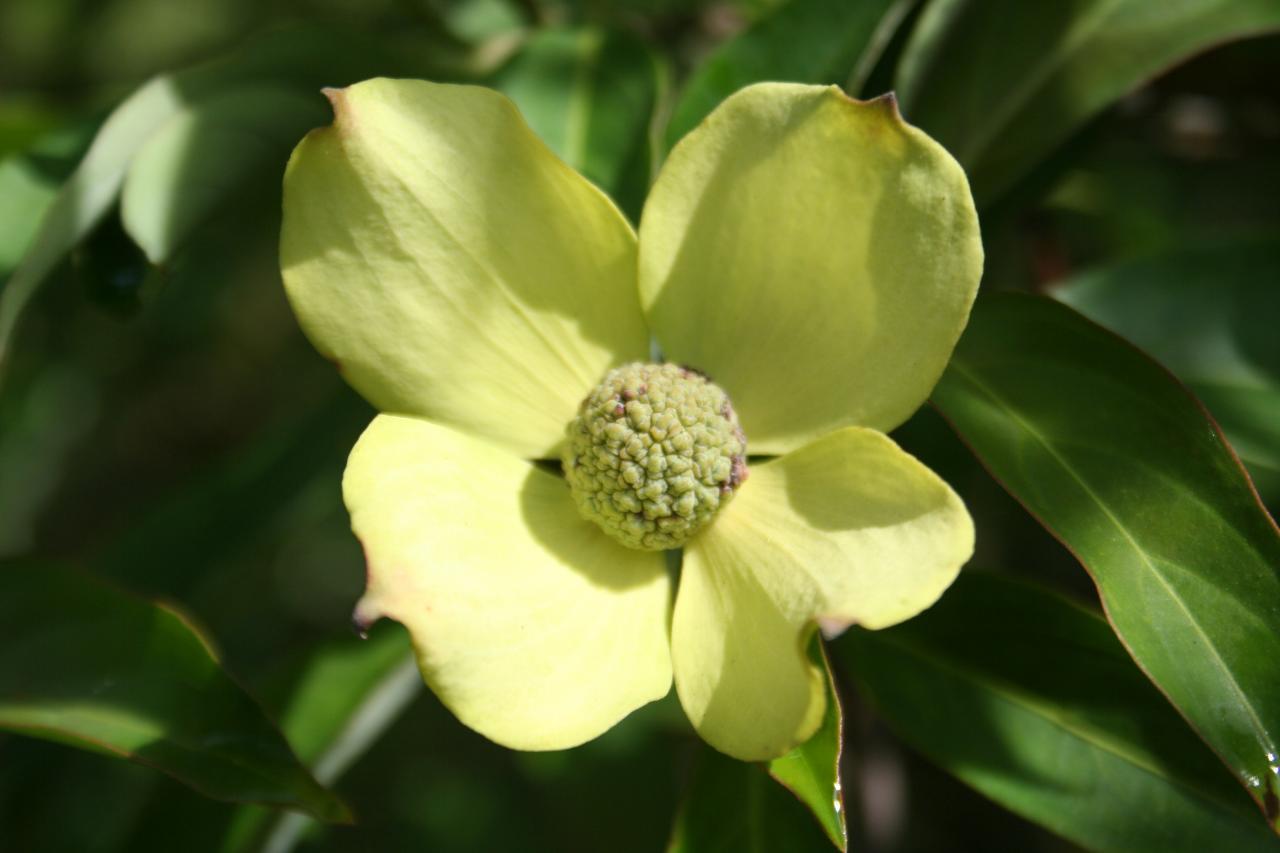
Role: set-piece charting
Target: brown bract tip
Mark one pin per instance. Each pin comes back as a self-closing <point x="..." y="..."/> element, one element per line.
<point x="337" y="100"/>
<point x="363" y="617"/>
<point x="833" y="626"/>
<point x="888" y="102"/>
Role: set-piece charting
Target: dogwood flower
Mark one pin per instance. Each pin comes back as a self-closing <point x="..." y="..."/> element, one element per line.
<point x="805" y="264"/>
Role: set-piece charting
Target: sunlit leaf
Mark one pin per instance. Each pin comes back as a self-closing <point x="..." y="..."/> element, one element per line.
<point x="1123" y="466"/>
<point x="86" y="197"/>
<point x="1209" y="314"/>
<point x="83" y="664"/>
<point x="802" y="41"/>
<point x="811" y="771"/>
<point x="1001" y="83"/>
<point x="591" y="95"/>
<point x="301" y="58"/>
<point x="1032" y="701"/>
<point x="195" y="161"/>
<point x="731" y="805"/>
<point x="343" y="701"/>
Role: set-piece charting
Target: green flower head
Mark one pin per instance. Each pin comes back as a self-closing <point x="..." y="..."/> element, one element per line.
<point x="814" y="256"/>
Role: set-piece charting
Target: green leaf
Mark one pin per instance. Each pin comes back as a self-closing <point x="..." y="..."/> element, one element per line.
<point x="591" y="96"/>
<point x="811" y="771"/>
<point x="303" y="58"/>
<point x="1001" y="83"/>
<point x="87" y="196"/>
<point x="731" y="805"/>
<point x="84" y="664"/>
<point x="1031" y="700"/>
<point x="1208" y="313"/>
<point x="1121" y="464"/>
<point x="803" y="41"/>
<point x="28" y="185"/>
<point x="345" y="698"/>
<point x="198" y="158"/>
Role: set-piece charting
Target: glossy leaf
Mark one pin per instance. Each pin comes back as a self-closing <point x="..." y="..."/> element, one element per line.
<point x="802" y="41"/>
<point x="302" y="58"/>
<point x="811" y="771"/>
<point x="87" y="195"/>
<point x="731" y="805"/>
<point x="1030" y="699"/>
<point x="195" y="161"/>
<point x="84" y="664"/>
<point x="591" y="95"/>
<point x="346" y="696"/>
<point x="1001" y="83"/>
<point x="28" y="185"/>
<point x="1121" y="464"/>
<point x="1209" y="314"/>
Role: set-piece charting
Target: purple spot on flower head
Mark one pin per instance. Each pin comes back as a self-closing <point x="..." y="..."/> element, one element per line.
<point x="738" y="473"/>
<point x="686" y="372"/>
<point x="619" y="410"/>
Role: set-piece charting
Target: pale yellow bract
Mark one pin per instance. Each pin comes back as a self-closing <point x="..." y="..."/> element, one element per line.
<point x="815" y="255"/>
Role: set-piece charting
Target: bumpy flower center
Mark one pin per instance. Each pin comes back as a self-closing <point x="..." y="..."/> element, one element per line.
<point x="653" y="454"/>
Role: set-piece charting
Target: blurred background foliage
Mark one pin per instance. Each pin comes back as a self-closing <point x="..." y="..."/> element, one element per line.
<point x="165" y="427"/>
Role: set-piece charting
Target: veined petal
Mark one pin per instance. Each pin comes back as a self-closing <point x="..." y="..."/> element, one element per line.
<point x="453" y="266"/>
<point x="815" y="255"/>
<point x="531" y="625"/>
<point x="847" y="529"/>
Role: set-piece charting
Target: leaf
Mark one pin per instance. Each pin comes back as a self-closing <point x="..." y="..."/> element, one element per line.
<point x="1001" y="83"/>
<point x="85" y="198"/>
<point x="731" y="805"/>
<point x="803" y="41"/>
<point x="591" y="95"/>
<point x="1031" y="700"/>
<point x="84" y="664"/>
<point x="304" y="58"/>
<point x="811" y="771"/>
<point x="1121" y="464"/>
<point x="28" y="184"/>
<point x="346" y="697"/>
<point x="197" y="159"/>
<point x="1208" y="313"/>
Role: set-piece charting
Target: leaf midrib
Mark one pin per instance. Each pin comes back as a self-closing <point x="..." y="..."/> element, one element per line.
<point x="1089" y="735"/>
<point x="1226" y="676"/>
<point x="1055" y="60"/>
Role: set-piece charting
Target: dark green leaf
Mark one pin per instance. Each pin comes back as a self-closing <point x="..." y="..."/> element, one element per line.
<point x="87" y="196"/>
<point x="303" y="59"/>
<point x="196" y="159"/>
<point x="84" y="664"/>
<point x="1209" y="314"/>
<point x="1001" y="83"/>
<point x="811" y="771"/>
<point x="1122" y="465"/>
<point x="732" y="806"/>
<point x="343" y="701"/>
<point x="803" y="41"/>
<point x="1032" y="701"/>
<point x="591" y="95"/>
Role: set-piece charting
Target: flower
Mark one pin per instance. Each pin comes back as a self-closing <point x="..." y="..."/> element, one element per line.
<point x="815" y="255"/>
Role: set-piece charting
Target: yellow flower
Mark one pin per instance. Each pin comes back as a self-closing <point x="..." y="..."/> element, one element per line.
<point x="815" y="255"/>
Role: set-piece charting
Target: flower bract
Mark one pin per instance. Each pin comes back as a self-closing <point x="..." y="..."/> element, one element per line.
<point x="814" y="255"/>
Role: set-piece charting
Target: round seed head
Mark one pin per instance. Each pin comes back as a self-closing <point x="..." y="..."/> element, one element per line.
<point x="654" y="452"/>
